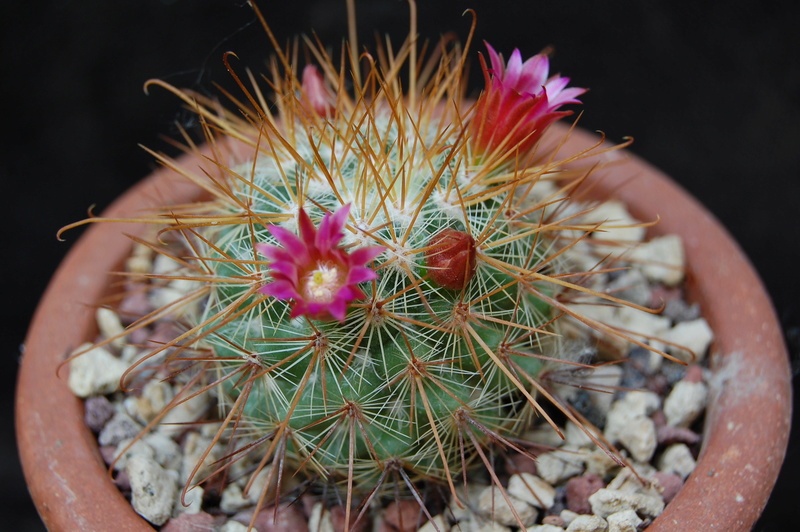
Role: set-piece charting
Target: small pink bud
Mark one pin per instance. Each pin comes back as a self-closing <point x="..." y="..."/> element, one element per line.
<point x="450" y="259"/>
<point x="317" y="94"/>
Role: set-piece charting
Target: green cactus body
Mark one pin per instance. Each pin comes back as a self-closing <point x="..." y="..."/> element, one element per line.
<point x="416" y="372"/>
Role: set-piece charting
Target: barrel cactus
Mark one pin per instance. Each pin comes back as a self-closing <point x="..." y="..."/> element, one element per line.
<point x="381" y="267"/>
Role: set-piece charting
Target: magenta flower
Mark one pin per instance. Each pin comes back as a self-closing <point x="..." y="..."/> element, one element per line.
<point x="312" y="271"/>
<point x="518" y="103"/>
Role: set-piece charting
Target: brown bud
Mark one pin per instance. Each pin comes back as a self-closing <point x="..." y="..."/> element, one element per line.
<point x="450" y="259"/>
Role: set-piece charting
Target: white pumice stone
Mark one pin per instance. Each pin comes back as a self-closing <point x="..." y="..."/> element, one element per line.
<point x="607" y="501"/>
<point x="156" y="395"/>
<point x="265" y="479"/>
<point x="153" y="490"/>
<point x="167" y="452"/>
<point x="236" y="526"/>
<point x="110" y="326"/>
<point x="588" y="523"/>
<point x="437" y="524"/>
<point x="185" y="412"/>
<point x="545" y="528"/>
<point x="631" y="406"/>
<point x="625" y="521"/>
<point x="568" y="516"/>
<point x="639" y="437"/>
<point x="599" y="462"/>
<point x="685" y="403"/>
<point x="532" y="489"/>
<point x="233" y="499"/>
<point x="636" y="321"/>
<point x="662" y="259"/>
<point x="482" y="525"/>
<point x="618" y="225"/>
<point x="194" y="449"/>
<point x="95" y="372"/>
<point x="629" y="481"/>
<point x="694" y="335"/>
<point x="576" y="437"/>
<point x="128" y="448"/>
<point x="678" y="459"/>
<point x="557" y="466"/>
<point x="631" y="285"/>
<point x="320" y="519"/>
<point x="493" y="505"/>
<point x="193" y="502"/>
<point x="543" y="435"/>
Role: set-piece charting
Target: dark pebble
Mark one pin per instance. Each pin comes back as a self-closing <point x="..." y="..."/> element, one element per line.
<point x="583" y="404"/>
<point x="97" y="411"/>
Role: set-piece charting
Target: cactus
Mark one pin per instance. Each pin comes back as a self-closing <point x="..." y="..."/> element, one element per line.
<point x="382" y="273"/>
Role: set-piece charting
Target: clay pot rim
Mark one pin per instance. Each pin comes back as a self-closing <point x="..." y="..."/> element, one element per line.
<point x="751" y="390"/>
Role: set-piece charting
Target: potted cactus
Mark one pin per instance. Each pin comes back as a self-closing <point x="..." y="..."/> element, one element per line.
<point x="376" y="282"/>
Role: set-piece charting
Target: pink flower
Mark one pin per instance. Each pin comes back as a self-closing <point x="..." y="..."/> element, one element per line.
<point x="518" y="103"/>
<point x="317" y="96"/>
<point x="311" y="270"/>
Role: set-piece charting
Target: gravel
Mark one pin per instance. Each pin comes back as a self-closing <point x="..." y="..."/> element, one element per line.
<point x="572" y="485"/>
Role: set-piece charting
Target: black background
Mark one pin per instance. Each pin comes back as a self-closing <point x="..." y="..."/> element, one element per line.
<point x="709" y="90"/>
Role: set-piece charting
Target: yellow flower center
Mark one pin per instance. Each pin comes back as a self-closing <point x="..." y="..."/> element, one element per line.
<point x="322" y="284"/>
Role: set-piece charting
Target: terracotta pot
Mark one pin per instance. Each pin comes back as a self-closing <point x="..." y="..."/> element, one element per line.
<point x="747" y="425"/>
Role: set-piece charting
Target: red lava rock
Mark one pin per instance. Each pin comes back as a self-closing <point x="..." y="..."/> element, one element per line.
<point x="122" y="481"/>
<point x="199" y="522"/>
<point x="163" y="332"/>
<point x="670" y="484"/>
<point x="694" y="373"/>
<point x="140" y="336"/>
<point x="659" y="418"/>
<point x="658" y="383"/>
<point x="667" y="435"/>
<point x="133" y="306"/>
<point x="288" y="517"/>
<point x="660" y="295"/>
<point x="108" y="452"/>
<point x="578" y="491"/>
<point x="308" y="502"/>
<point x="338" y="520"/>
<point x="520" y="463"/>
<point x="403" y="516"/>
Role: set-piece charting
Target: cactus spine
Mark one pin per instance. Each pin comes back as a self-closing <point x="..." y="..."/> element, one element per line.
<point x="438" y="353"/>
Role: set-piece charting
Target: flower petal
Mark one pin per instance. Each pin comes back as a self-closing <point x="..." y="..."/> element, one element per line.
<point x="331" y="229"/>
<point x="283" y="290"/>
<point x="518" y="103"/>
